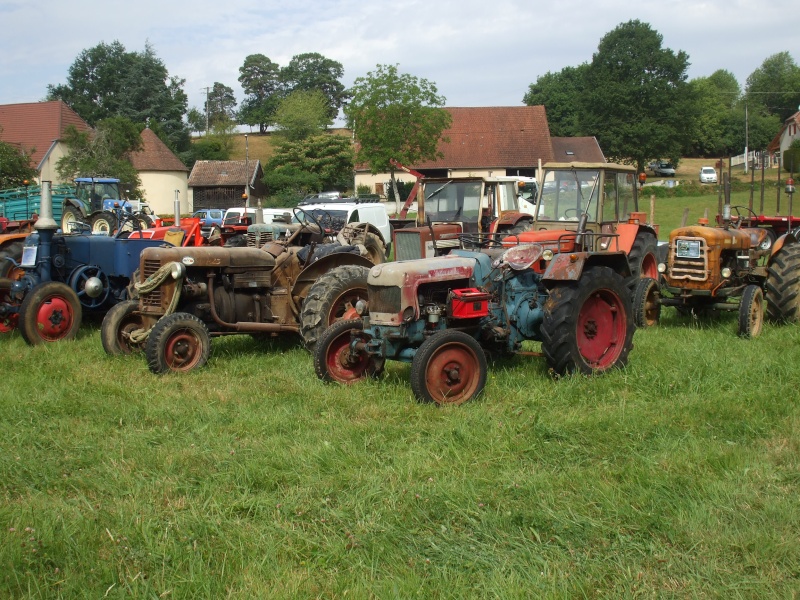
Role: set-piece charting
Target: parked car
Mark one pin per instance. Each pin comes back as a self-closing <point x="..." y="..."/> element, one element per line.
<point x="708" y="175"/>
<point x="662" y="168"/>
<point x="209" y="217"/>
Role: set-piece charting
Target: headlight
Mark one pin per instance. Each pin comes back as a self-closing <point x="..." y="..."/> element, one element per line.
<point x="547" y="254"/>
<point x="726" y="272"/>
<point x="361" y="308"/>
<point x="177" y="271"/>
<point x="662" y="267"/>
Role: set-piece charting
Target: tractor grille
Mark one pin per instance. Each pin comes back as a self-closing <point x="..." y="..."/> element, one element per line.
<point x="154" y="297"/>
<point x="688" y="259"/>
<point x="256" y="239"/>
<point x="383" y="299"/>
<point x="408" y="246"/>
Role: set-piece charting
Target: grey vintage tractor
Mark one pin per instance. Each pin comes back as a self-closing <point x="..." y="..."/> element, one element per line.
<point x="442" y="314"/>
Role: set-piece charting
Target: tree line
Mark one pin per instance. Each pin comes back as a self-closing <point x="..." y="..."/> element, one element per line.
<point x="633" y="95"/>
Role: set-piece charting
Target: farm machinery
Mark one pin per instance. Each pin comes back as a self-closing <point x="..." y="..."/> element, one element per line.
<point x="295" y="283"/>
<point x="61" y="276"/>
<point x="729" y="267"/>
<point x="566" y="289"/>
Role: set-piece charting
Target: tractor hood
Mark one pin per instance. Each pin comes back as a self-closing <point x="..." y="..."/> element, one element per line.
<point x="211" y="256"/>
<point x="413" y="272"/>
<point x="733" y="239"/>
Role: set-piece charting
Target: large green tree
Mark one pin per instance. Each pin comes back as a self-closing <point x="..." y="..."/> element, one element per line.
<point x="312" y="71"/>
<point x="560" y="93"/>
<point x="106" y="151"/>
<point x="15" y="165"/>
<point x="396" y="116"/>
<point x="636" y="99"/>
<point x="220" y="104"/>
<point x="775" y="86"/>
<point x="302" y="114"/>
<point x="323" y="161"/>
<point x="260" y="78"/>
<point x="716" y="97"/>
<point x="108" y="81"/>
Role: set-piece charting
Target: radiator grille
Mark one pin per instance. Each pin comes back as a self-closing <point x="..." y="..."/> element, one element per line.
<point x="408" y="246"/>
<point x="689" y="266"/>
<point x="383" y="299"/>
<point x="153" y="298"/>
<point x="256" y="239"/>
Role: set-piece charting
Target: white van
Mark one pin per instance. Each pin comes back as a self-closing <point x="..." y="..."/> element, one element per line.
<point x="233" y="216"/>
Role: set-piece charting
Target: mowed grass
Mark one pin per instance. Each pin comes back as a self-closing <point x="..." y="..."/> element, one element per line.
<point x="674" y="477"/>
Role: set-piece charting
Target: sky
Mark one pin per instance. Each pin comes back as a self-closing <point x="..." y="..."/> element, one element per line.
<point x="477" y="52"/>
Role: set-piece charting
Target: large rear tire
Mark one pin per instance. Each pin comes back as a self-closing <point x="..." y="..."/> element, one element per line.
<point x="332" y="297"/>
<point x="333" y="360"/>
<point x="50" y="312"/>
<point x="7" y="268"/>
<point x="69" y="216"/>
<point x="8" y="323"/>
<point x="375" y="248"/>
<point x="587" y="326"/>
<point x="783" y="285"/>
<point x="119" y="322"/>
<point x="449" y="368"/>
<point x="642" y="258"/>
<point x="104" y="222"/>
<point x="179" y="342"/>
<point x="751" y="312"/>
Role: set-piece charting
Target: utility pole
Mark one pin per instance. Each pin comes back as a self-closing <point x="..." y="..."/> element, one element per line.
<point x="208" y="91"/>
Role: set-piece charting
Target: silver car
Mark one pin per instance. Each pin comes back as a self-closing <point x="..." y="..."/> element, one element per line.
<point x="708" y="175"/>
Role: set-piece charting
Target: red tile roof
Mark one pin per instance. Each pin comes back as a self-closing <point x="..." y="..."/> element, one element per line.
<point x="34" y="126"/>
<point x="577" y="149"/>
<point x="155" y="156"/>
<point x="494" y="136"/>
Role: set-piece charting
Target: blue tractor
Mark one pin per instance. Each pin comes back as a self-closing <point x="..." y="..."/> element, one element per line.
<point x="61" y="276"/>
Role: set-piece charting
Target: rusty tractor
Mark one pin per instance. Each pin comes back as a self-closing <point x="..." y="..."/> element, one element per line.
<point x="441" y="314"/>
<point x="725" y="268"/>
<point x="279" y="284"/>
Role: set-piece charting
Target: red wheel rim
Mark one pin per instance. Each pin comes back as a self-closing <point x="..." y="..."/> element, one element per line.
<point x="344" y="306"/>
<point x="343" y="366"/>
<point x="452" y="374"/>
<point x="183" y="350"/>
<point x="54" y="318"/>
<point x="601" y="329"/>
<point x="649" y="267"/>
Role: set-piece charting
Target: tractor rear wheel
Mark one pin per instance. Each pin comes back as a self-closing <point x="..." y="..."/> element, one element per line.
<point x="8" y="323"/>
<point x="449" y="368"/>
<point x="587" y="326"/>
<point x="179" y="342"/>
<point x="642" y="258"/>
<point x="751" y="312"/>
<point x="332" y="297"/>
<point x="333" y="360"/>
<point x="7" y="268"/>
<point x="103" y="222"/>
<point x="119" y="322"/>
<point x="783" y="285"/>
<point x="375" y="248"/>
<point x="69" y="216"/>
<point x="50" y="312"/>
<point x="646" y="303"/>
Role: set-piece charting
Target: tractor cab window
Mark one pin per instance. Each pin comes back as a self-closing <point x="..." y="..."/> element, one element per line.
<point x="626" y="190"/>
<point x="453" y="201"/>
<point x="567" y="194"/>
<point x="610" y="199"/>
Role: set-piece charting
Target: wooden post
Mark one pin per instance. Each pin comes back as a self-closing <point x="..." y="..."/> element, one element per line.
<point x="685" y="216"/>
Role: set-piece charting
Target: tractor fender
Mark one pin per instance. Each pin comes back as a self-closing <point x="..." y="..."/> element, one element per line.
<point x="787" y="238"/>
<point x="75" y="203"/>
<point x="627" y="235"/>
<point x="312" y="272"/>
<point x="570" y="266"/>
<point x="508" y="219"/>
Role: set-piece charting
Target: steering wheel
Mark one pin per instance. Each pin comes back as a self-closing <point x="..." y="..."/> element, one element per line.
<point x="309" y="217"/>
<point x="573" y="211"/>
<point x="739" y="214"/>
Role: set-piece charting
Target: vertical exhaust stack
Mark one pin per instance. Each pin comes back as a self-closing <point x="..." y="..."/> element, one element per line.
<point x="177" y="208"/>
<point x="46" y="228"/>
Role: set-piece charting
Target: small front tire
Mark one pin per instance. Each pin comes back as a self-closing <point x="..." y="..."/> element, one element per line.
<point x="449" y="368"/>
<point x="50" y="312"/>
<point x="646" y="303"/>
<point x="179" y="342"/>
<point x="333" y="360"/>
<point x="117" y="326"/>
<point x="751" y="312"/>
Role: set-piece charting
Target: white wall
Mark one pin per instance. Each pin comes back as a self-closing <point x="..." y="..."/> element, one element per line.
<point x="159" y="191"/>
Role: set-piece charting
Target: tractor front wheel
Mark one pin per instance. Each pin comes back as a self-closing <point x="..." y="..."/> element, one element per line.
<point x="449" y="368"/>
<point x="179" y="342"/>
<point x="751" y="312"/>
<point x="333" y="360"/>
<point x="8" y="322"/>
<point x="646" y="303"/>
<point x="103" y="222"/>
<point x="118" y="324"/>
<point x="50" y="312"/>
<point x="587" y="325"/>
<point x="332" y="297"/>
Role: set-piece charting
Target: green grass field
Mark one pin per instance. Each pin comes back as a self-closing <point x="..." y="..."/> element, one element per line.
<point x="676" y="477"/>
